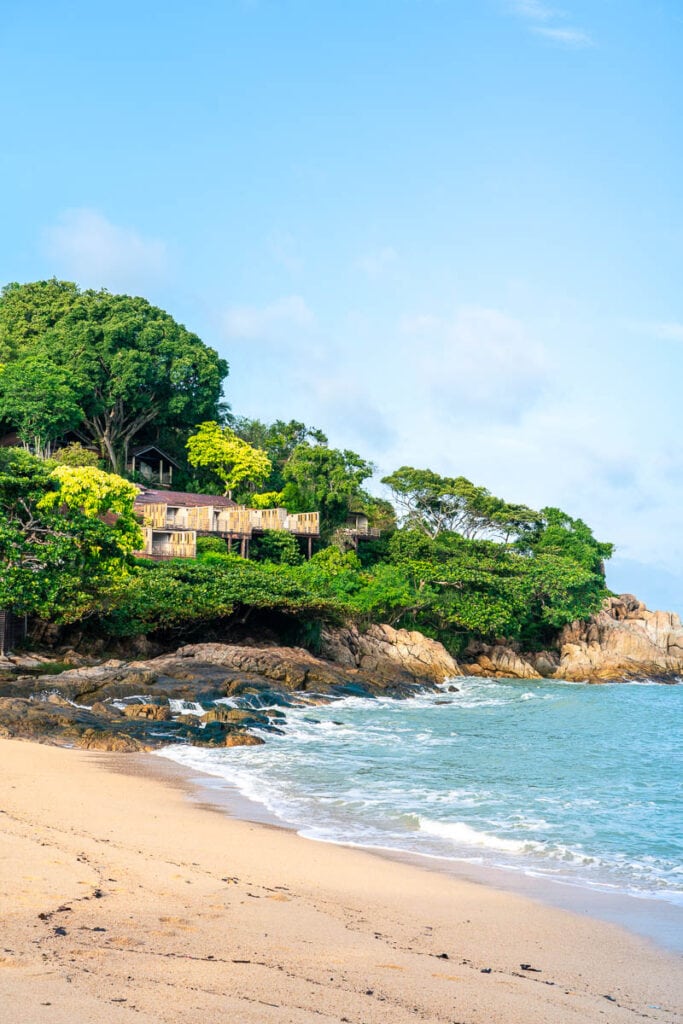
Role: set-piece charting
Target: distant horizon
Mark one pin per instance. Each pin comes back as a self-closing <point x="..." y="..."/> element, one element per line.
<point x="448" y="235"/>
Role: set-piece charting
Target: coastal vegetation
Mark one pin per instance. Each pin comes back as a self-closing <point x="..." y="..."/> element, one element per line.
<point x="109" y="372"/>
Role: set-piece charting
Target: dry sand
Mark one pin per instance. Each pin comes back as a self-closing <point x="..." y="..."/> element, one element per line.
<point x="122" y="901"/>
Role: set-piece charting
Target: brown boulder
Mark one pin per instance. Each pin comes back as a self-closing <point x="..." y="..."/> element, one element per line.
<point x="623" y="641"/>
<point x="242" y="739"/>
<point x="382" y="651"/>
<point x="500" y="661"/>
<point x="114" y="742"/>
<point x="152" y="712"/>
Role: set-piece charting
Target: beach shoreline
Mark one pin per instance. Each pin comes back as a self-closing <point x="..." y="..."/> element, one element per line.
<point x="123" y="899"/>
<point x="657" y="921"/>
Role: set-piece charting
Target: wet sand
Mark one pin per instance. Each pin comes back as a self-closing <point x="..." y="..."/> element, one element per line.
<point x="122" y="900"/>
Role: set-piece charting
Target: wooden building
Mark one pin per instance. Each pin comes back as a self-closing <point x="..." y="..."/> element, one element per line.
<point x="357" y="528"/>
<point x="153" y="465"/>
<point x="172" y="521"/>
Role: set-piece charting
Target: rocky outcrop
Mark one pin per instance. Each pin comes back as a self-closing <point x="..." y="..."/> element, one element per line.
<point x="222" y="695"/>
<point x="382" y="651"/>
<point x="500" y="662"/>
<point x="508" y="661"/>
<point x="383" y="659"/>
<point x="138" y="705"/>
<point x="623" y="641"/>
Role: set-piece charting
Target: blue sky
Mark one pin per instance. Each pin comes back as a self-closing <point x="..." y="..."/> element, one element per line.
<point x="448" y="232"/>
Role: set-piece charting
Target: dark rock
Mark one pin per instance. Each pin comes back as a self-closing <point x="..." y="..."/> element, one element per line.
<point x="78" y="707"/>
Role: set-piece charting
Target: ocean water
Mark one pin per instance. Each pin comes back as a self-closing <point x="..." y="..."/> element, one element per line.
<point x="564" y="781"/>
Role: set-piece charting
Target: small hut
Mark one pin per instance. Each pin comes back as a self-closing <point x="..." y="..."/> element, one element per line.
<point x="153" y="465"/>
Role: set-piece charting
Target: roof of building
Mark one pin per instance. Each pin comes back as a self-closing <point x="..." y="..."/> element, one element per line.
<point x="146" y="449"/>
<point x="182" y="499"/>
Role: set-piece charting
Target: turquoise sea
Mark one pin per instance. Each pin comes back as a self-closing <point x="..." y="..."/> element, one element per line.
<point x="576" y="783"/>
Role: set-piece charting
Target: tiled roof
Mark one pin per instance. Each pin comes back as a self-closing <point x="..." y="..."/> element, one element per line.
<point x="182" y="499"/>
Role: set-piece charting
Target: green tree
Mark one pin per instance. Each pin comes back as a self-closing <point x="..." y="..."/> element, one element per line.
<point x="325" y="480"/>
<point x="93" y="493"/>
<point x="40" y="400"/>
<point x="65" y="537"/>
<point x="76" y="454"/>
<point x="481" y="588"/>
<point x="279" y="440"/>
<point x="29" y="311"/>
<point x="140" y="369"/>
<point x="233" y="461"/>
<point x="434" y="503"/>
<point x="181" y="594"/>
<point x="556" y="533"/>
<point x="276" y="546"/>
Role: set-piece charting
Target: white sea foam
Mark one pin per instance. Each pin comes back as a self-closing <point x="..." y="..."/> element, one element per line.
<point x="185" y="707"/>
<point x="495" y="775"/>
<point x="461" y="834"/>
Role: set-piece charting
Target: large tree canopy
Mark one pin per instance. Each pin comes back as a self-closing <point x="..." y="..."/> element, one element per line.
<point x="556" y="533"/>
<point x="28" y="311"/>
<point x="136" y="368"/>
<point x="324" y="479"/>
<point x="433" y="503"/>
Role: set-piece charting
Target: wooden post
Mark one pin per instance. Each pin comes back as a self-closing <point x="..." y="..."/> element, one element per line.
<point x="310" y="547"/>
<point x="230" y="544"/>
<point x="4" y="632"/>
<point x="246" y="547"/>
<point x="243" y="547"/>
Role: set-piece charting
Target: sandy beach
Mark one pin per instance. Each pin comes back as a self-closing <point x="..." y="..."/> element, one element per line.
<point x="123" y="900"/>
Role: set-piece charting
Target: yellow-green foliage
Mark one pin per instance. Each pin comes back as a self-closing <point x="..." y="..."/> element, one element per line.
<point x="233" y="460"/>
<point x="65" y="538"/>
<point x="268" y="499"/>
<point x="95" y="493"/>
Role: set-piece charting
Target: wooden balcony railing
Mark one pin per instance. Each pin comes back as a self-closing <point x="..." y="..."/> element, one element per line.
<point x="239" y="521"/>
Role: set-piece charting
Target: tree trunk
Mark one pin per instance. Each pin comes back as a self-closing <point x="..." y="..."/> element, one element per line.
<point x="111" y="452"/>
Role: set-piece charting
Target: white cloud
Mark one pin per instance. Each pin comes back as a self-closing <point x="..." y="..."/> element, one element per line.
<point x="670" y="331"/>
<point x="481" y="360"/>
<point x="533" y="9"/>
<point x="567" y="36"/>
<point x="375" y="263"/>
<point x="265" y="322"/>
<point x="85" y="245"/>
<point x="550" y="23"/>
